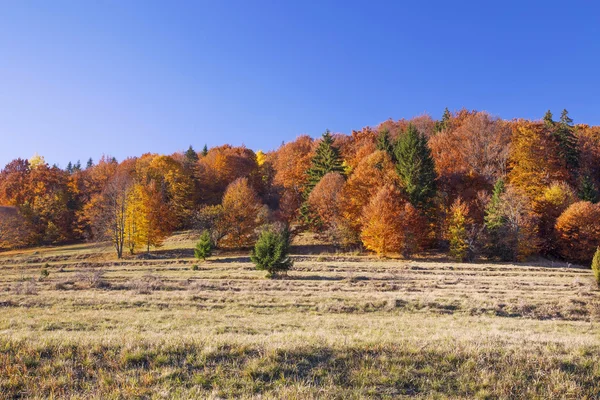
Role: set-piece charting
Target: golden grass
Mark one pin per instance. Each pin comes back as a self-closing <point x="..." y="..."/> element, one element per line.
<point x="155" y="328"/>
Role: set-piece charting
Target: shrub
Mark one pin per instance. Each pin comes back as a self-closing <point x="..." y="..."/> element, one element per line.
<point x="579" y="232"/>
<point x="93" y="278"/>
<point x="596" y="265"/>
<point x="44" y="273"/>
<point x="195" y="267"/>
<point x="204" y="247"/>
<point x="270" y="252"/>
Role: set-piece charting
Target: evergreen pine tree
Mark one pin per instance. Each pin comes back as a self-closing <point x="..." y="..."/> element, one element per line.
<point x="205" y="151"/>
<point x="588" y="191"/>
<point x="271" y="252"/>
<point x="204" y="247"/>
<point x="567" y="141"/>
<point x="70" y="167"/>
<point x="190" y="158"/>
<point x="383" y="143"/>
<point x="416" y="168"/>
<point x="326" y="159"/>
<point x="443" y="124"/>
<point x="548" y="118"/>
<point x="495" y="222"/>
<point x="77" y="166"/>
<point x="90" y="163"/>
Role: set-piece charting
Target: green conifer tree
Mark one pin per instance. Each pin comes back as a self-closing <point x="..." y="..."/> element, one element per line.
<point x="567" y="140"/>
<point x="204" y="247"/>
<point x="497" y="243"/>
<point x="588" y="191"/>
<point x="90" y="163"/>
<point x="383" y="143"/>
<point x="191" y="156"/>
<point x="271" y="252"/>
<point x="326" y="159"/>
<point x="205" y="151"/>
<point x="548" y="119"/>
<point x="416" y="168"/>
<point x="445" y="121"/>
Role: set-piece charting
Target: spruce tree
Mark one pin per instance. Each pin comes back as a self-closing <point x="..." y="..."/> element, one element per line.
<point x="271" y="252"/>
<point x="90" y="163"/>
<point x="443" y="124"/>
<point x="416" y="168"/>
<point x="326" y="159"/>
<point x="498" y="237"/>
<point x="567" y="140"/>
<point x="548" y="119"/>
<point x="204" y="247"/>
<point x="191" y="156"/>
<point x="383" y="143"/>
<point x="588" y="191"/>
<point x="205" y="151"/>
<point x="77" y="166"/>
<point x="70" y="167"/>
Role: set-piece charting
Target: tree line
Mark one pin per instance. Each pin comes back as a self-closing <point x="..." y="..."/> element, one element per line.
<point x="469" y="183"/>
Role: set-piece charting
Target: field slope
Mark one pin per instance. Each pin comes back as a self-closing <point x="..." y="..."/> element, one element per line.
<point x="339" y="326"/>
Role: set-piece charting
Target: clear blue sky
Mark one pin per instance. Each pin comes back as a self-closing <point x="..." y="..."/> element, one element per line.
<point x="84" y="78"/>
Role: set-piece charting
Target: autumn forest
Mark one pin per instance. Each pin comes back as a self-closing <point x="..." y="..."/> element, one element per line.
<point x="468" y="184"/>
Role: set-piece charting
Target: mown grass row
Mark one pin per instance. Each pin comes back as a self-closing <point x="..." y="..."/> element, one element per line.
<point x="312" y="370"/>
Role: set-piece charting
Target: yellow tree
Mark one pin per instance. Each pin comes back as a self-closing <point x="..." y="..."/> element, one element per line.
<point x="458" y="226"/>
<point x="534" y="160"/>
<point x="148" y="221"/>
<point x="554" y="200"/>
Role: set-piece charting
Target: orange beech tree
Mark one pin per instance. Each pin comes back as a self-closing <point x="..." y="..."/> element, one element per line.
<point x="242" y="214"/>
<point x="578" y="231"/>
<point x="291" y="161"/>
<point x="391" y="224"/>
<point x="373" y="172"/>
<point x="324" y="199"/>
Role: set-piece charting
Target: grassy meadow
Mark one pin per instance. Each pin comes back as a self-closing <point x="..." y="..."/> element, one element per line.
<point x="339" y="326"/>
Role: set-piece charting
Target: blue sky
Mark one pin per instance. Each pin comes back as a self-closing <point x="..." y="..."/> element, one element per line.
<point x="80" y="79"/>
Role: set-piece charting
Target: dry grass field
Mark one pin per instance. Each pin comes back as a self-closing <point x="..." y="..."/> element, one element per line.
<point x="338" y="326"/>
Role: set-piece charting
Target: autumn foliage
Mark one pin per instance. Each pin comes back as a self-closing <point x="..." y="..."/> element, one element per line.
<point x="579" y="231"/>
<point x="391" y="224"/>
<point x="469" y="183"/>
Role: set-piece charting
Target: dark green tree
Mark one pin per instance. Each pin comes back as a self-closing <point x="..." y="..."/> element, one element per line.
<point x="588" y="190"/>
<point x="69" y="168"/>
<point x="191" y="157"/>
<point x="77" y="166"/>
<point x="204" y="151"/>
<point x="326" y="159"/>
<point x="90" y="163"/>
<point x="204" y="247"/>
<point x="567" y="141"/>
<point x="416" y="168"/>
<point x="271" y="252"/>
<point x="496" y="226"/>
<point x="548" y="119"/>
<point x="384" y="144"/>
<point x="444" y="122"/>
